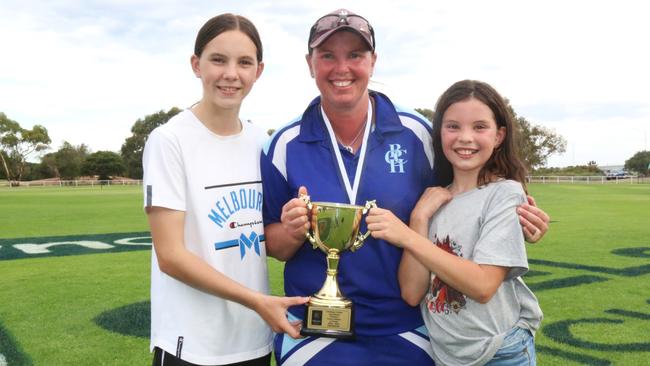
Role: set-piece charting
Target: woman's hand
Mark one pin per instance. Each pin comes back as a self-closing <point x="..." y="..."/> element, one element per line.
<point x="534" y="221"/>
<point x="294" y="216"/>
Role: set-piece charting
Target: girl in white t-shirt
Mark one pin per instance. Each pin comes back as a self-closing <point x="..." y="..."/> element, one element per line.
<point x="203" y="197"/>
<point x="464" y="251"/>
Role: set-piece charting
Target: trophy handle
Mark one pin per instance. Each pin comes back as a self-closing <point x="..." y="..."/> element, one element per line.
<point x="358" y="242"/>
<point x="308" y="234"/>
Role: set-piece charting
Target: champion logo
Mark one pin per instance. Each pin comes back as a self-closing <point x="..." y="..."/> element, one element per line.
<point x="250" y="224"/>
<point x="243" y="242"/>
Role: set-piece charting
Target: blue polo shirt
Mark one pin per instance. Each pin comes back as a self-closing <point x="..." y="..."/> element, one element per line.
<point x="398" y="167"/>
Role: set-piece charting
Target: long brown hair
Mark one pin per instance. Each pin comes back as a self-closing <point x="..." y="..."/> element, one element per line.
<point x="504" y="162"/>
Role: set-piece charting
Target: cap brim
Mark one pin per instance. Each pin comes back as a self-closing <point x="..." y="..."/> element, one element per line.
<point x="323" y="37"/>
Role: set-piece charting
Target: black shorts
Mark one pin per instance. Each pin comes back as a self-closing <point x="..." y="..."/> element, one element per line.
<point x="162" y="358"/>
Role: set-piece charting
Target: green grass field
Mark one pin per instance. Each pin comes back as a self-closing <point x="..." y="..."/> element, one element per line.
<point x="591" y="274"/>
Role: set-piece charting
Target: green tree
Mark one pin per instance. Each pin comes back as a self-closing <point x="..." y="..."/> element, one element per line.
<point x="428" y="113"/>
<point x="47" y="165"/>
<point x="104" y="164"/>
<point x="66" y="163"/>
<point x="33" y="171"/>
<point x="536" y="143"/>
<point x="133" y="146"/>
<point x="579" y="170"/>
<point x="639" y="163"/>
<point x="17" y="144"/>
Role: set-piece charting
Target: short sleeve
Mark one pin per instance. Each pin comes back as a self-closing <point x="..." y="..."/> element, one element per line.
<point x="276" y="190"/>
<point x="501" y="239"/>
<point x="164" y="174"/>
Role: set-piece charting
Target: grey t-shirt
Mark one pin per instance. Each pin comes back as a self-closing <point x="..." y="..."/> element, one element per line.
<point x="480" y="225"/>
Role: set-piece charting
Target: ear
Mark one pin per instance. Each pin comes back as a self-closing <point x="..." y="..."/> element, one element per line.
<point x="308" y="59"/>
<point x="501" y="135"/>
<point x="372" y="65"/>
<point x="194" y="61"/>
<point x="260" y="68"/>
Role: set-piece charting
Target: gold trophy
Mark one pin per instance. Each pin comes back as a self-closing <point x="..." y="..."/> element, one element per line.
<point x="334" y="229"/>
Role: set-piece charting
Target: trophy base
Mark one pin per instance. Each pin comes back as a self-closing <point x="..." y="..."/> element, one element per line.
<point x="328" y="321"/>
<point x="326" y="333"/>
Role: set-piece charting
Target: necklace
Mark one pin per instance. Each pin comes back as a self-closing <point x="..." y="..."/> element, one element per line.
<point x="349" y="147"/>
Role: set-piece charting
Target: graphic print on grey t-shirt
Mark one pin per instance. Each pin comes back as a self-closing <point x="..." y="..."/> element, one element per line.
<point x="444" y="298"/>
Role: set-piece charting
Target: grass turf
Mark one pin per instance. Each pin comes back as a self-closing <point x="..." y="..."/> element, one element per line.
<point x="592" y="276"/>
<point x="50" y="211"/>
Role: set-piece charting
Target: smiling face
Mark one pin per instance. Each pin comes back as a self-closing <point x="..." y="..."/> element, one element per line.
<point x="469" y="136"/>
<point x="228" y="68"/>
<point x="342" y="66"/>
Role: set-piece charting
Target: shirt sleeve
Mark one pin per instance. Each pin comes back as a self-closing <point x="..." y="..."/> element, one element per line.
<point x="276" y="189"/>
<point x="164" y="174"/>
<point x="501" y="239"/>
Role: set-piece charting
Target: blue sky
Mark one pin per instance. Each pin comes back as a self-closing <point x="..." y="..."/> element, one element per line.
<point x="87" y="70"/>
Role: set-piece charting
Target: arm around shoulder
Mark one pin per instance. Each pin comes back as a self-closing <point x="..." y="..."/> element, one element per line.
<point x="534" y="221"/>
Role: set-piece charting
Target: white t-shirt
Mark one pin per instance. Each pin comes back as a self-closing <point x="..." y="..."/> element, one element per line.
<point x="216" y="181"/>
<point x="480" y="225"/>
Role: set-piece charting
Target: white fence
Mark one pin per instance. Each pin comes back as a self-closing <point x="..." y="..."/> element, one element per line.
<point x="74" y="183"/>
<point x="531" y="179"/>
<point x="597" y="179"/>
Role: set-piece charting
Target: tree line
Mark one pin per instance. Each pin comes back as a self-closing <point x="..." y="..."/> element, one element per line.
<point x="536" y="144"/>
<point x="68" y="163"/>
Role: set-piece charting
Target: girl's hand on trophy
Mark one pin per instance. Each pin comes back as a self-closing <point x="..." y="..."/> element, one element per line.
<point x="273" y="310"/>
<point x="384" y="225"/>
<point x="297" y="325"/>
<point x="294" y="218"/>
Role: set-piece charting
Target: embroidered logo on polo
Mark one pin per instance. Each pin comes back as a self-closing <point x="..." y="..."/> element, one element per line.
<point x="394" y="158"/>
<point x="244" y="242"/>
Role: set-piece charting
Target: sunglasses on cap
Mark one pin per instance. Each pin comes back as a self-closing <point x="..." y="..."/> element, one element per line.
<point x="338" y="20"/>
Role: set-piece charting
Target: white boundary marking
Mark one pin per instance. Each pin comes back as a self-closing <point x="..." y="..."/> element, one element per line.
<point x="127" y="241"/>
<point x="30" y="248"/>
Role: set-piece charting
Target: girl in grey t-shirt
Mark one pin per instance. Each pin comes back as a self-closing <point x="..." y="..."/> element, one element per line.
<point x="464" y="251"/>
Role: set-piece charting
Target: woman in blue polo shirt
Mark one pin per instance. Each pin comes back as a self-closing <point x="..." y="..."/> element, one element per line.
<point x="351" y="145"/>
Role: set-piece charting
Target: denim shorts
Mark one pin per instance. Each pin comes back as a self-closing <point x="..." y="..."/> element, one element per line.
<point x="517" y="349"/>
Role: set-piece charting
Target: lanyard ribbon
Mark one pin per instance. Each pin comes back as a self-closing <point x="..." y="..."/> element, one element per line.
<point x="351" y="189"/>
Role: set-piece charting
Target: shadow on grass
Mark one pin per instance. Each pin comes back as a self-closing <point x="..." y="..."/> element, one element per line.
<point x="133" y="319"/>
